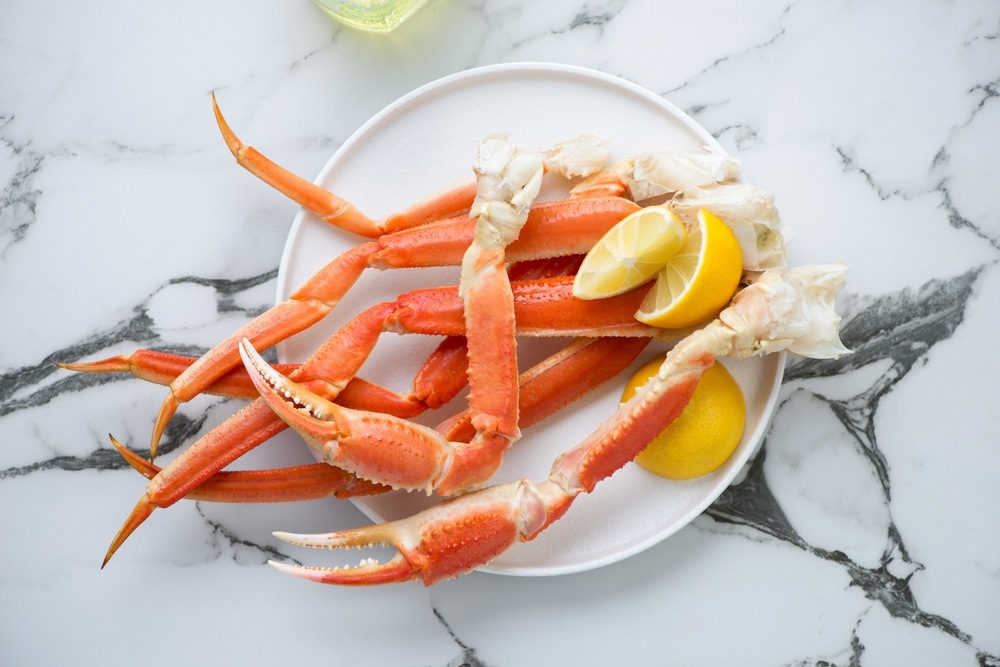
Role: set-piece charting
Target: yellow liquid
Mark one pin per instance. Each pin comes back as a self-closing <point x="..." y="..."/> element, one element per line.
<point x="371" y="15"/>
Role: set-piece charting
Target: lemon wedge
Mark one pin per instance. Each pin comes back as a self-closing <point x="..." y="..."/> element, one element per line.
<point x="704" y="435"/>
<point x="698" y="280"/>
<point x="630" y="253"/>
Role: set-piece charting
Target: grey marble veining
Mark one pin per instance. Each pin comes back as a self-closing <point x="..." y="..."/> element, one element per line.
<point x="864" y="531"/>
<point x="901" y="329"/>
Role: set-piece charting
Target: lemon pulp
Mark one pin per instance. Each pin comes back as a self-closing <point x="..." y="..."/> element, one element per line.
<point x="630" y="253"/>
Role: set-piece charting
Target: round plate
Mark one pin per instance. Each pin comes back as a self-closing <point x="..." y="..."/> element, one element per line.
<point x="427" y="141"/>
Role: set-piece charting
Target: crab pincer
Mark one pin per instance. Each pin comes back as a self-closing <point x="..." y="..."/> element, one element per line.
<point x="445" y="541"/>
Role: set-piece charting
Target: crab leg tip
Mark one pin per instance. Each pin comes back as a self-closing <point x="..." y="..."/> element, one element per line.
<point x="284" y="567"/>
<point x="167" y="410"/>
<point x="304" y="540"/>
<point x="116" y="364"/>
<point x="227" y="132"/>
<point x="246" y="347"/>
<point x="139" y="514"/>
<point x="251" y="358"/>
<point x="367" y="572"/>
<point x="146" y="468"/>
<point x="250" y="355"/>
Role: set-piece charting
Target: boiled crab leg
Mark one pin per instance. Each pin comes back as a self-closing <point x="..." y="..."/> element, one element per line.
<point x="508" y="179"/>
<point x="552" y="384"/>
<point x="428" y="392"/>
<point x="564" y="228"/>
<point x="783" y="309"/>
<point x="454" y="201"/>
<point x="309" y="481"/>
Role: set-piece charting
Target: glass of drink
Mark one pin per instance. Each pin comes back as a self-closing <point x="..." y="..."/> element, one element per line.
<point x="370" y="15"/>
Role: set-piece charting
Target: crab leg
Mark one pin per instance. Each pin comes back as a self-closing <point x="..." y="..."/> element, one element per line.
<point x="310" y="481"/>
<point x="508" y="180"/>
<point x="554" y="228"/>
<point x="163" y="368"/>
<point x="545" y="388"/>
<point x="329" y="207"/>
<point x="781" y="310"/>
<point x="437" y="381"/>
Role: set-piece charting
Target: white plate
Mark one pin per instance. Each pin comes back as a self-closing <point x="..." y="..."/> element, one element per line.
<point x="426" y="141"/>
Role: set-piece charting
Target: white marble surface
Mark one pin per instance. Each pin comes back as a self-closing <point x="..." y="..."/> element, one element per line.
<point x="864" y="533"/>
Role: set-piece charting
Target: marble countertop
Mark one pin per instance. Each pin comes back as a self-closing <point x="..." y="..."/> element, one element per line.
<point x="866" y="531"/>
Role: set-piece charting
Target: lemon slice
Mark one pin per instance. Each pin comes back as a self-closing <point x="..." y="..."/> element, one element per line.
<point x="704" y="435"/>
<point x="630" y="253"/>
<point x="698" y="281"/>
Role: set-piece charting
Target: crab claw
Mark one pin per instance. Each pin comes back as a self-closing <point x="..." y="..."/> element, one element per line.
<point x="374" y="446"/>
<point x="447" y="540"/>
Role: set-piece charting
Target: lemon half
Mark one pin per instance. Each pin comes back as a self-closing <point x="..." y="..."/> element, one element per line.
<point x="704" y="435"/>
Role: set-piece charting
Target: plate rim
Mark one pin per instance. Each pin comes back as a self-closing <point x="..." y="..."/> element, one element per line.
<point x="478" y="76"/>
